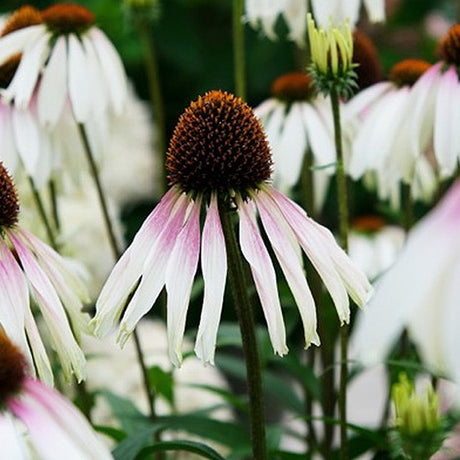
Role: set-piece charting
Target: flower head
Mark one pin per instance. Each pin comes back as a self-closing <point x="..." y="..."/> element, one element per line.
<point x="25" y="16"/>
<point x="35" y="417"/>
<point x="293" y="87"/>
<point x="449" y="46"/>
<point x="28" y="267"/>
<point x="67" y="19"/>
<point x="365" y="56"/>
<point x="332" y="58"/>
<point x="218" y="157"/>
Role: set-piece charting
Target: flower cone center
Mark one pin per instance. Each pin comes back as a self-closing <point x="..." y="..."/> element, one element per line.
<point x="9" y="203"/>
<point x="68" y="18"/>
<point x="12" y="369"/>
<point x="8" y="69"/>
<point x="368" y="224"/>
<point x="407" y="72"/>
<point x="292" y="87"/>
<point x="218" y="145"/>
<point x="23" y="17"/>
<point x="449" y="47"/>
<point x="369" y="68"/>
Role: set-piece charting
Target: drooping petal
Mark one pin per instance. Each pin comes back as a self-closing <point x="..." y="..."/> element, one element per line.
<point x="79" y="83"/>
<point x="281" y="237"/>
<point x="15" y="42"/>
<point x="180" y="272"/>
<point x="264" y="110"/>
<point x="263" y="272"/>
<point x="214" y="269"/>
<point x="313" y="246"/>
<point x="294" y="14"/>
<point x="57" y="429"/>
<point x="375" y="10"/>
<point x="11" y="440"/>
<point x="154" y="271"/>
<point x="52" y="93"/>
<point x="70" y="354"/>
<point x="25" y="79"/>
<point x="129" y="268"/>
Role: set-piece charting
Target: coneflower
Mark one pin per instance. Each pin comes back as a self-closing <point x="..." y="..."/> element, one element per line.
<point x="218" y="159"/>
<point x="35" y="420"/>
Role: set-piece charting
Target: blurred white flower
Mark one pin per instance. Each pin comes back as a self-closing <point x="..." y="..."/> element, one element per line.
<point x="265" y="14"/>
<point x="295" y="121"/>
<point x="374" y="246"/>
<point x="421" y="292"/>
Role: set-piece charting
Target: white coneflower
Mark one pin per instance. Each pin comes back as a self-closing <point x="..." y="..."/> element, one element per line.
<point x="71" y="59"/>
<point x="420" y="292"/>
<point x="296" y="121"/>
<point x="383" y="114"/>
<point x="28" y="267"/>
<point x="219" y="157"/>
<point x="35" y="420"/>
<point x="265" y="14"/>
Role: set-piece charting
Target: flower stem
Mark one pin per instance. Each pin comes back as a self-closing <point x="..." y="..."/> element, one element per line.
<point x="54" y="205"/>
<point x="343" y="224"/>
<point x="239" y="49"/>
<point x="248" y="333"/>
<point x="156" y="96"/>
<point x="43" y="216"/>
<point x="117" y="254"/>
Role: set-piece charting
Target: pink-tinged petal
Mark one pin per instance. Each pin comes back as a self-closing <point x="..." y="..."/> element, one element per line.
<point x="263" y="272"/>
<point x="25" y="79"/>
<point x="313" y="246"/>
<point x="128" y="269"/>
<point x="281" y="238"/>
<point x="70" y="354"/>
<point x="180" y="272"/>
<point x="69" y="287"/>
<point x="41" y="360"/>
<point x="11" y="440"/>
<point x="14" y="298"/>
<point x="112" y="67"/>
<point x="446" y="124"/>
<point x="52" y="93"/>
<point x="79" y="84"/>
<point x="423" y="100"/>
<point x="214" y="269"/>
<point x="56" y="428"/>
<point x="154" y="271"/>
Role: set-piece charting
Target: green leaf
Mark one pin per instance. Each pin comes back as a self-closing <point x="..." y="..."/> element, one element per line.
<point x="232" y="399"/>
<point x="186" y="446"/>
<point x="163" y="383"/>
<point x="133" y="444"/>
<point x="114" y="433"/>
<point x="129" y="416"/>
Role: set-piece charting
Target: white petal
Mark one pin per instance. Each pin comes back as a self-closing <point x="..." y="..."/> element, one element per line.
<point x="314" y="247"/>
<point x="25" y="79"/>
<point x="52" y="93"/>
<point x="13" y="446"/>
<point x="180" y="272"/>
<point x="295" y="15"/>
<point x="79" y="83"/>
<point x="255" y="252"/>
<point x="375" y="10"/>
<point x="9" y="154"/>
<point x="281" y="238"/>
<point x="214" y="269"/>
<point x="16" y="42"/>
<point x="264" y="110"/>
<point x="154" y="272"/>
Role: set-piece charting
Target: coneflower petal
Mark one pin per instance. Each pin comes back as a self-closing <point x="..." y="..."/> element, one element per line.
<point x="52" y="93"/>
<point x="128" y="269"/>
<point x="313" y="246"/>
<point x="154" y="272"/>
<point x="79" y="84"/>
<point x="263" y="272"/>
<point x="281" y="236"/>
<point x="214" y="269"/>
<point x="446" y="135"/>
<point x="11" y="441"/>
<point x="180" y="272"/>
<point x="15" y="42"/>
<point x="69" y="352"/>
<point x="25" y="79"/>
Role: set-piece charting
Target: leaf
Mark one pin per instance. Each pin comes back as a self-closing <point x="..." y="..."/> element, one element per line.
<point x="129" y="416"/>
<point x="133" y="444"/>
<point x="114" y="433"/>
<point x="232" y="399"/>
<point x="187" y="446"/>
<point x="163" y="383"/>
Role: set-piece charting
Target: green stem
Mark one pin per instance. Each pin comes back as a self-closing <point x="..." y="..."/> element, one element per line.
<point x="116" y="250"/>
<point x="343" y="224"/>
<point x="54" y="205"/>
<point x="245" y="314"/>
<point x="156" y="96"/>
<point x="239" y="49"/>
<point x="43" y="216"/>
